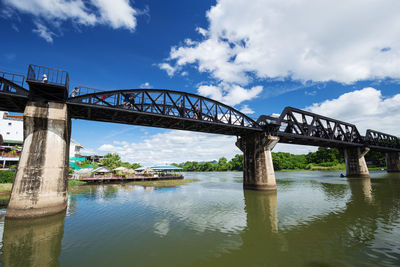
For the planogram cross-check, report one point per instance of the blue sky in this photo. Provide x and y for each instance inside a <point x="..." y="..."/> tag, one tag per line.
<point x="339" y="59"/>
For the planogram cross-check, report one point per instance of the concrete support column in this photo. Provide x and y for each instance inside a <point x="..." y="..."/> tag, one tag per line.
<point x="355" y="162"/>
<point x="393" y="162"/>
<point x="258" y="169"/>
<point x="41" y="182"/>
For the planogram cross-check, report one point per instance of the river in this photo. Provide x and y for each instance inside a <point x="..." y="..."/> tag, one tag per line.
<point x="315" y="219"/>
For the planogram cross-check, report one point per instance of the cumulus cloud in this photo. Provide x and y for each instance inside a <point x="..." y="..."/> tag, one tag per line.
<point x="230" y="94"/>
<point x="174" y="146"/>
<point x="168" y="68"/>
<point x="343" y="41"/>
<point x="366" y="108"/>
<point x="246" y="110"/>
<point x="116" y="13"/>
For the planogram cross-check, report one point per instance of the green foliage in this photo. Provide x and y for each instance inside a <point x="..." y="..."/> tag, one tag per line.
<point x="322" y="159"/>
<point x="6" y="177"/>
<point x="75" y="182"/>
<point x="235" y="164"/>
<point x="111" y="161"/>
<point x="70" y="170"/>
<point x="287" y="161"/>
<point x="135" y="165"/>
<point x="378" y="159"/>
<point x="88" y="164"/>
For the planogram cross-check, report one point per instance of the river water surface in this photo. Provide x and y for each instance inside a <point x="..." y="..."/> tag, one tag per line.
<point x="315" y="219"/>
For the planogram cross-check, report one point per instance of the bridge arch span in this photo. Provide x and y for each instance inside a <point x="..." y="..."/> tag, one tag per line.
<point x="160" y="108"/>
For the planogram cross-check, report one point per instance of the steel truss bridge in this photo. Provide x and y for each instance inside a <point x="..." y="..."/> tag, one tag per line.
<point x="184" y="111"/>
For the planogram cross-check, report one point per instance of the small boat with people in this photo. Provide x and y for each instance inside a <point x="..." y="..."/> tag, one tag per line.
<point x="102" y="174"/>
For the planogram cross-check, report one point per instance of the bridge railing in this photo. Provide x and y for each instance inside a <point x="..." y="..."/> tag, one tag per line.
<point x="18" y="79"/>
<point x="380" y="139"/>
<point x="83" y="90"/>
<point x="304" y="124"/>
<point x="48" y="75"/>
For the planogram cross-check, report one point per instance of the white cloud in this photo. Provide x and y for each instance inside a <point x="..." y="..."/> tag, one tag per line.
<point x="246" y="110"/>
<point x="168" y="68"/>
<point x="365" y="108"/>
<point x="145" y="85"/>
<point x="344" y="41"/>
<point x="44" y="32"/>
<point x="229" y="94"/>
<point x="174" y="146"/>
<point x="116" y="13"/>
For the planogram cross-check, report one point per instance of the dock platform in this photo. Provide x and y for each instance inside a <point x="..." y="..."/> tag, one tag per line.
<point x="122" y="178"/>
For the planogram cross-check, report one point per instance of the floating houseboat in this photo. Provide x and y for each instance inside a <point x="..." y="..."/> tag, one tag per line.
<point x="102" y="174"/>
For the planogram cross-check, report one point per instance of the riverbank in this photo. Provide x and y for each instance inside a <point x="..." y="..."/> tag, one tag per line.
<point x="6" y="187"/>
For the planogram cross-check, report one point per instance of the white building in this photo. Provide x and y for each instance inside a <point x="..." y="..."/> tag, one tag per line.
<point x="74" y="149"/>
<point x="12" y="134"/>
<point x="11" y="128"/>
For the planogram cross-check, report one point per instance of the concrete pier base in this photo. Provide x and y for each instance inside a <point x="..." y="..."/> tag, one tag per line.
<point x="41" y="182"/>
<point x="393" y="162"/>
<point x="258" y="169"/>
<point x="355" y="162"/>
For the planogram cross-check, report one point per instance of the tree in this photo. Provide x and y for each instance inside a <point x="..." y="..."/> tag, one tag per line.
<point x="111" y="161"/>
<point x="135" y="165"/>
<point x="236" y="163"/>
<point x="222" y="164"/>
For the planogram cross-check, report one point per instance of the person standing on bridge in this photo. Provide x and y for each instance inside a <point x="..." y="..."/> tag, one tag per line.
<point x="181" y="109"/>
<point x="196" y="112"/>
<point x="44" y="78"/>
<point x="75" y="92"/>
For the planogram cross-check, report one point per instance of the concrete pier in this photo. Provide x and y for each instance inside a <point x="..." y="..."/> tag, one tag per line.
<point x="355" y="162"/>
<point x="41" y="182"/>
<point x="258" y="169"/>
<point x="393" y="162"/>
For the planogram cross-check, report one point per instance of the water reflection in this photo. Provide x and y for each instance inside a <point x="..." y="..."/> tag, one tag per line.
<point x="334" y="239"/>
<point x="34" y="242"/>
<point x="313" y="220"/>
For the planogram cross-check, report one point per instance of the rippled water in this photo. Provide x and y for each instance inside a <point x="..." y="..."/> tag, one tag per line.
<point x="315" y="219"/>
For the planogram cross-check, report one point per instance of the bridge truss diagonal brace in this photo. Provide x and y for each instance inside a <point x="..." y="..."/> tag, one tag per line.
<point x="356" y="165"/>
<point x="393" y="161"/>
<point x="258" y="168"/>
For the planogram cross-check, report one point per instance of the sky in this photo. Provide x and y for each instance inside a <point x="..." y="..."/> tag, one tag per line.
<point x="338" y="58"/>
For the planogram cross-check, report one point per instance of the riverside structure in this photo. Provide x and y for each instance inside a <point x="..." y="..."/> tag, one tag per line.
<point x="40" y="186"/>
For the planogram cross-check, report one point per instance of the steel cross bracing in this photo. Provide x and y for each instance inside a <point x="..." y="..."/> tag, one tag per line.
<point x="185" y="111"/>
<point x="160" y="108"/>
<point x="377" y="140"/>
<point x="13" y="96"/>
<point x="302" y="127"/>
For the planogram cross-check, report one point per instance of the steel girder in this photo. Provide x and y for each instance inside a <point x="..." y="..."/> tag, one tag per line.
<point x="163" y="108"/>
<point x="13" y="97"/>
<point x="185" y="111"/>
